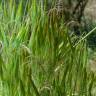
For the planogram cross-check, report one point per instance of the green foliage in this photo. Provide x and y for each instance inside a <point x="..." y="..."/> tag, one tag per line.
<point x="39" y="58"/>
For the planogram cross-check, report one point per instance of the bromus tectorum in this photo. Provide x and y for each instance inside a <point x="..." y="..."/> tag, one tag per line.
<point x="40" y="57"/>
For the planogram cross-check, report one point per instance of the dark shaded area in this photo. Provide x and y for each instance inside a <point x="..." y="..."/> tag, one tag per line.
<point x="91" y="39"/>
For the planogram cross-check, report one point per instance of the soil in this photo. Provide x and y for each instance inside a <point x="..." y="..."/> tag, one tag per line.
<point x="90" y="10"/>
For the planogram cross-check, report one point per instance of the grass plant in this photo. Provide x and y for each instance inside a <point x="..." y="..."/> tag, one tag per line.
<point x="39" y="58"/>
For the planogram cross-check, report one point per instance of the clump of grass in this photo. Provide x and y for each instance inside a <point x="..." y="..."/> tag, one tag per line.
<point x="39" y="58"/>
